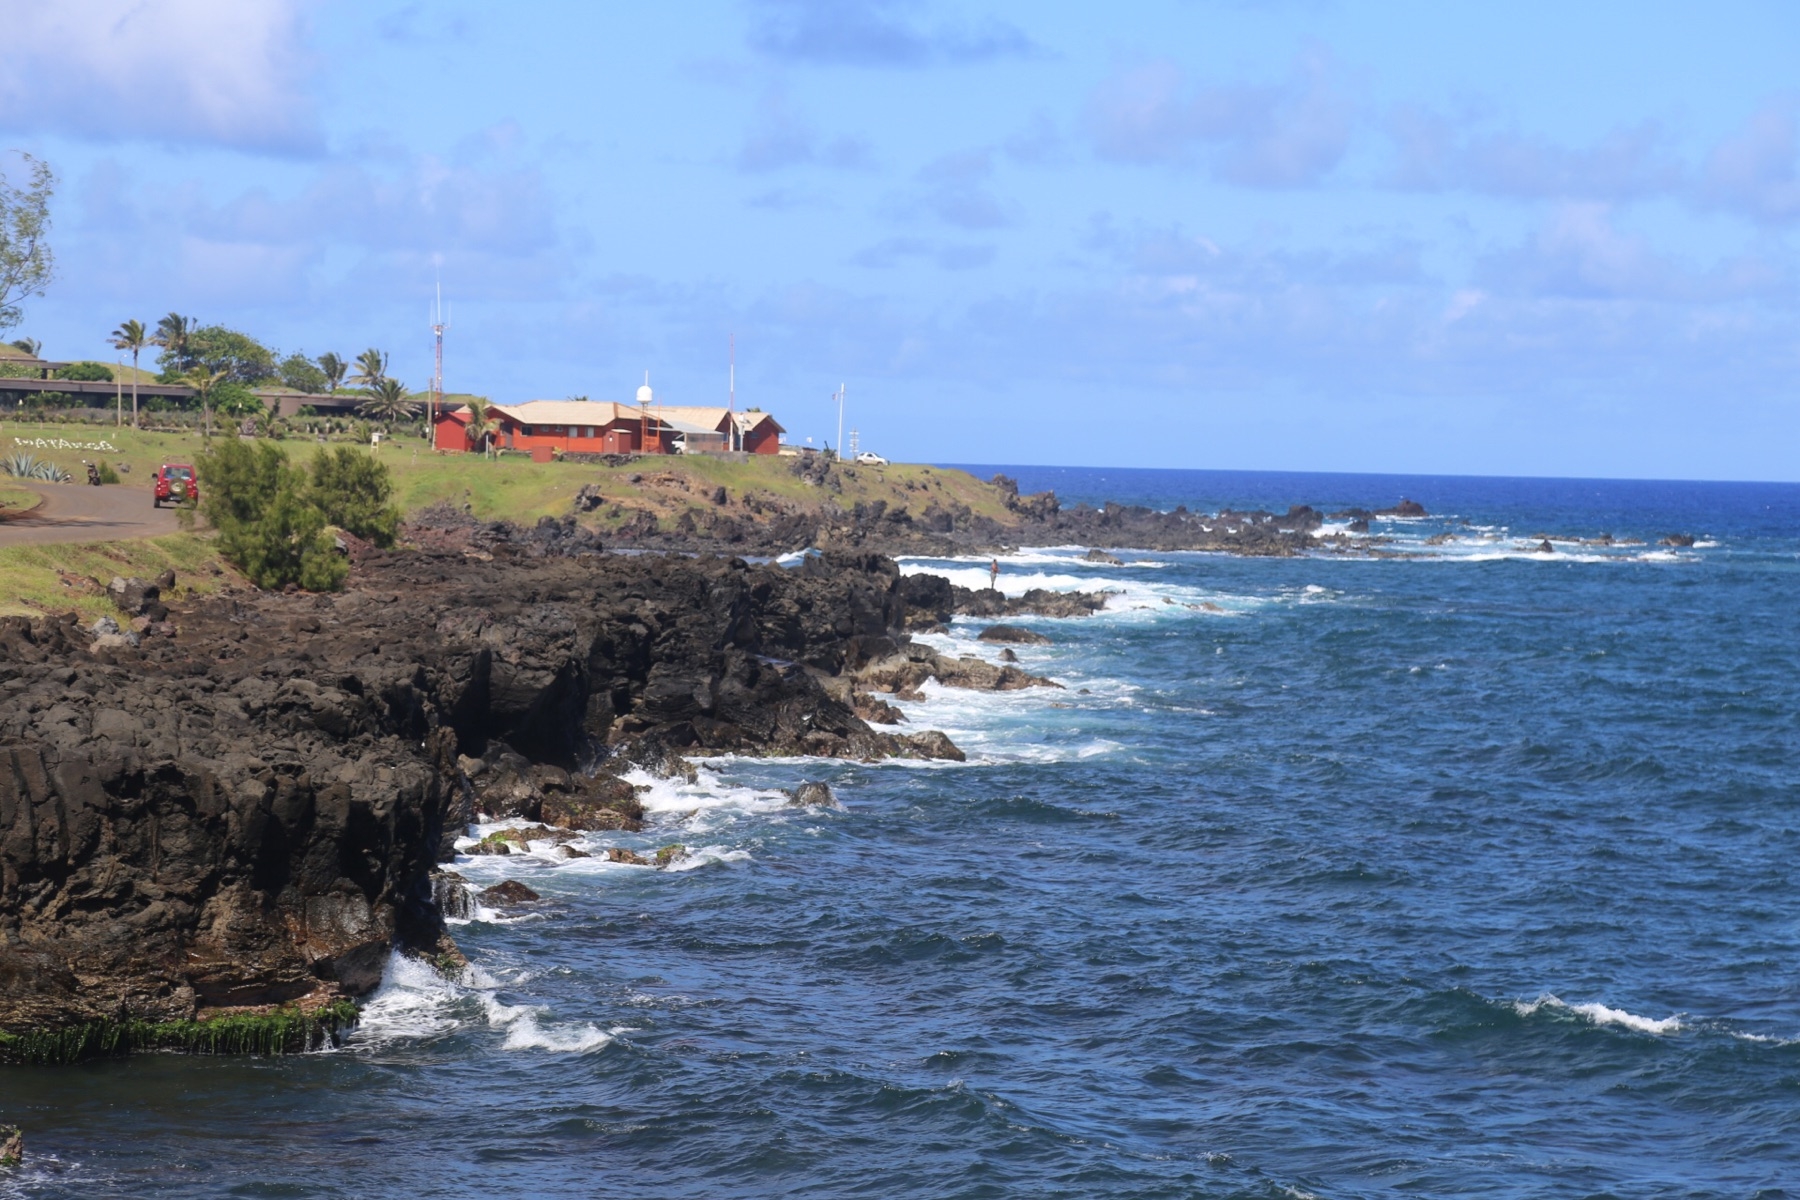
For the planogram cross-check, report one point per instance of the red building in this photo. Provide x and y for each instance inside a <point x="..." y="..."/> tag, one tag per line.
<point x="541" y="427"/>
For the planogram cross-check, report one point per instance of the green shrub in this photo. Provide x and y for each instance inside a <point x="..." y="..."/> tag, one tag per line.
<point x="86" y="372"/>
<point x="352" y="488"/>
<point x="232" y="399"/>
<point x="107" y="474"/>
<point x="268" y="527"/>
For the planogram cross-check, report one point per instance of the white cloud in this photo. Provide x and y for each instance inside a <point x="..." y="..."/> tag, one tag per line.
<point x="954" y="189"/>
<point x="221" y="72"/>
<point x="1288" y="134"/>
<point x="1440" y="153"/>
<point x="1757" y="171"/>
<point x="1579" y="252"/>
<point x="782" y="137"/>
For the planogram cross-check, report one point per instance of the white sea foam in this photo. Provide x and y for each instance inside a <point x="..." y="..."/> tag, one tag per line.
<point x="1600" y="1014"/>
<point x="708" y="794"/>
<point x="1017" y="726"/>
<point x="416" y="1001"/>
<point x="524" y="1030"/>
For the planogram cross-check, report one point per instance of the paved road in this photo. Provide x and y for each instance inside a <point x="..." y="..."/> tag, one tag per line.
<point x="78" y="512"/>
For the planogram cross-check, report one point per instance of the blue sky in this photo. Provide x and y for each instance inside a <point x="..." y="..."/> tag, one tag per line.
<point x="1534" y="238"/>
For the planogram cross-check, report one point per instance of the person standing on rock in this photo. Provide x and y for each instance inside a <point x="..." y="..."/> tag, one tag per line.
<point x="993" y="574"/>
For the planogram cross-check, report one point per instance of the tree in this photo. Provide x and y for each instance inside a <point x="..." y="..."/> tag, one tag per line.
<point x="238" y="356"/>
<point x="301" y="373"/>
<point x="353" y="489"/>
<point x="268" y="528"/>
<point x="86" y="372"/>
<point x="232" y="399"/>
<point x="388" y="402"/>
<point x="203" y="382"/>
<point x="26" y="264"/>
<point x="371" y="368"/>
<point x="334" y="369"/>
<point x="30" y="346"/>
<point x="133" y="337"/>
<point x="172" y="333"/>
<point x="484" y="423"/>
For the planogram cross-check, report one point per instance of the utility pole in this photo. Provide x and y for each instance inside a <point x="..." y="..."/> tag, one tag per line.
<point x="840" y="438"/>
<point x="731" y="399"/>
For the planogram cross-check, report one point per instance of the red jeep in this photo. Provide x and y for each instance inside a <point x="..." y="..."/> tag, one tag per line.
<point x="176" y="482"/>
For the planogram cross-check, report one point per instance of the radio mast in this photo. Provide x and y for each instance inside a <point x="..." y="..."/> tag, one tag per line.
<point x="438" y="325"/>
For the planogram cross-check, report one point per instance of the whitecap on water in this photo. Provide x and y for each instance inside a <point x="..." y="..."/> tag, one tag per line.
<point x="1600" y="1014"/>
<point x="415" y="1001"/>
<point x="524" y="1030"/>
<point x="1016" y="726"/>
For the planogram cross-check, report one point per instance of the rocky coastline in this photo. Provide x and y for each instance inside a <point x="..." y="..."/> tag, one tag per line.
<point x="220" y="815"/>
<point x="760" y="523"/>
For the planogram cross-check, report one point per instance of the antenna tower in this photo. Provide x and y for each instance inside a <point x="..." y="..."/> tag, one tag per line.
<point x="438" y="325"/>
<point x="840" y="438"/>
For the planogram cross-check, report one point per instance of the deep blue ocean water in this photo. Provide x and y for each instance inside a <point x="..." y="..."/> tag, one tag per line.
<point x="1470" y="872"/>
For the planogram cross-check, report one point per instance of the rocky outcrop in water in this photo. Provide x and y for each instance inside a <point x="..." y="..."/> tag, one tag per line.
<point x="1013" y="634"/>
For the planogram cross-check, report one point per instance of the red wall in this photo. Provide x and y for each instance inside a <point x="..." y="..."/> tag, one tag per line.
<point x="451" y="433"/>
<point x="617" y="438"/>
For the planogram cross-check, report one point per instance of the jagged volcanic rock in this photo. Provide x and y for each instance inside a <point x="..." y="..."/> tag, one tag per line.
<point x="249" y="812"/>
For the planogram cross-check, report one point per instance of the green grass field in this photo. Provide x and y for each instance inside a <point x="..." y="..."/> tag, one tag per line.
<point x="514" y="488"/>
<point x="36" y="579"/>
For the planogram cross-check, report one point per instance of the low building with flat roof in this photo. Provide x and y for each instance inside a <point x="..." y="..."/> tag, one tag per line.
<point x="545" y="427"/>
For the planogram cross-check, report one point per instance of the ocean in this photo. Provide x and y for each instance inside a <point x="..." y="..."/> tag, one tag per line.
<point x="1467" y="871"/>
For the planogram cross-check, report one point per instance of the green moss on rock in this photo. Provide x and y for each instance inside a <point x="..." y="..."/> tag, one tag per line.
<point x="288" y="1030"/>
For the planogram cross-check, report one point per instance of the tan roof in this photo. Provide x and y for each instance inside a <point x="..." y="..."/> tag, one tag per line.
<point x="711" y="417"/>
<point x="568" y="412"/>
<point x="602" y="412"/>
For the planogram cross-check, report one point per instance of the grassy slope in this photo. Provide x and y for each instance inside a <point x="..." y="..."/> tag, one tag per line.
<point x="15" y="499"/>
<point x="517" y="489"/>
<point x="57" y="578"/>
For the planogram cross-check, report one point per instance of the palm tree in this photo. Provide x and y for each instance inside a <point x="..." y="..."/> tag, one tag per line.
<point x="371" y="368"/>
<point x="203" y="381"/>
<point x="388" y="402"/>
<point x="335" y="368"/>
<point x="484" y="423"/>
<point x="132" y="336"/>
<point x="172" y="334"/>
